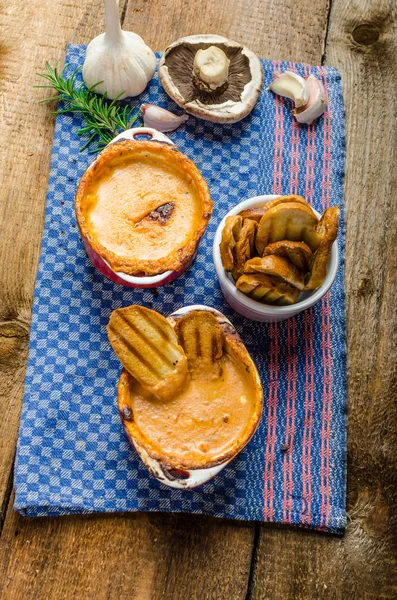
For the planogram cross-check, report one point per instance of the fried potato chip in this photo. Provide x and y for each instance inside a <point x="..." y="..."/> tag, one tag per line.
<point x="276" y="266"/>
<point x="327" y="229"/>
<point x="244" y="248"/>
<point x="292" y="221"/>
<point x="298" y="253"/>
<point x="257" y="213"/>
<point x="265" y="289"/>
<point x="202" y="338"/>
<point x="147" y="346"/>
<point x="230" y="235"/>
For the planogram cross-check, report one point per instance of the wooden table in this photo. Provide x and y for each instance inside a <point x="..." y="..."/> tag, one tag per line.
<point x="180" y="556"/>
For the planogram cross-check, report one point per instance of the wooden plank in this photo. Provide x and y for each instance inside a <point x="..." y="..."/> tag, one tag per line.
<point x="283" y="29"/>
<point x="146" y="556"/>
<point x="140" y="556"/>
<point x="362" y="44"/>
<point x="25" y="148"/>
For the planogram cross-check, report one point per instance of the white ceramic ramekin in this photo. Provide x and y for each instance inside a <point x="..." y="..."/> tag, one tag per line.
<point x="101" y="264"/>
<point x="189" y="478"/>
<point x="252" y="309"/>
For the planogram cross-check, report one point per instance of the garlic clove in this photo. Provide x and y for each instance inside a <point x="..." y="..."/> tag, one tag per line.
<point x="210" y="68"/>
<point x="315" y="105"/>
<point x="292" y="86"/>
<point x="160" y="119"/>
<point x="119" y="59"/>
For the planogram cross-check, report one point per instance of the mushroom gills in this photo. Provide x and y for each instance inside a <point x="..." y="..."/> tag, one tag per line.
<point x="180" y="63"/>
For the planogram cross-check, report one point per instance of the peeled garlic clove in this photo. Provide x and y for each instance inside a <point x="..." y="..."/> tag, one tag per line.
<point x="316" y="104"/>
<point x="292" y="86"/>
<point x="160" y="119"/>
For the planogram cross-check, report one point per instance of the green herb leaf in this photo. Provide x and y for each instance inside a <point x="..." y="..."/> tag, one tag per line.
<point x="103" y="120"/>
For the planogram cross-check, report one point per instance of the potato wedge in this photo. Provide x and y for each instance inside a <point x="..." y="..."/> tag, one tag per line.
<point x="327" y="229"/>
<point x="287" y="221"/>
<point x="147" y="346"/>
<point x="201" y="338"/>
<point x="276" y="266"/>
<point x="298" y="253"/>
<point x="230" y="235"/>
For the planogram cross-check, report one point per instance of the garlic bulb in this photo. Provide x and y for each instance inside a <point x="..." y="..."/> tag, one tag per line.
<point x="316" y="103"/>
<point x="119" y="59"/>
<point x="290" y="85"/>
<point x="160" y="119"/>
<point x="210" y="69"/>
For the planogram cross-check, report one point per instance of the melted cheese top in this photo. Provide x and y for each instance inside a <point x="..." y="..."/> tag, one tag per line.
<point x="204" y="419"/>
<point x="120" y="201"/>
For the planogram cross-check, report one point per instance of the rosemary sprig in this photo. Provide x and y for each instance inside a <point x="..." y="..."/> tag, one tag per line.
<point x="103" y="120"/>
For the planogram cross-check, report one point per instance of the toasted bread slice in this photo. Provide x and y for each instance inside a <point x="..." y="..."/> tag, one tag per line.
<point x="287" y="221"/>
<point x="245" y="247"/>
<point x="230" y="235"/>
<point x="267" y="290"/>
<point x="202" y="338"/>
<point x="298" y="253"/>
<point x="282" y="295"/>
<point x="255" y="285"/>
<point x="327" y="229"/>
<point x="276" y="266"/>
<point x="257" y="213"/>
<point x="147" y="346"/>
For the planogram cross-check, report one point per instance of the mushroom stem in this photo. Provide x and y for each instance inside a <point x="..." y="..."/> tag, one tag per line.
<point x="211" y="70"/>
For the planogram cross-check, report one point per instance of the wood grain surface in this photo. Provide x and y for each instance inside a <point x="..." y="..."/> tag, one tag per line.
<point x="181" y="556"/>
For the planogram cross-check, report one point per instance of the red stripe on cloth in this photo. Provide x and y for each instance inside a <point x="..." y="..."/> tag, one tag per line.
<point x="274" y="420"/>
<point x="326" y="326"/>
<point x="287" y="490"/>
<point x="273" y="330"/>
<point x="308" y="421"/>
<point x="269" y="420"/>
<point x="291" y="327"/>
<point x="294" y="363"/>
<point x="311" y="412"/>
<point x="309" y="354"/>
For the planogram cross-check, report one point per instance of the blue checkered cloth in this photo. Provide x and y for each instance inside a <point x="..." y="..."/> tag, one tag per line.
<point x="73" y="456"/>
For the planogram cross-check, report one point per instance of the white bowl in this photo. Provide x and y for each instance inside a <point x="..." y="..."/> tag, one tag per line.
<point x="256" y="310"/>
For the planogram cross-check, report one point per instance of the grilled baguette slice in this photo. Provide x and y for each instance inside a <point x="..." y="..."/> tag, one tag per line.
<point x="230" y="235"/>
<point x="202" y="339"/>
<point x="327" y="229"/>
<point x="257" y="213"/>
<point x="267" y="290"/>
<point x="147" y="346"/>
<point x="244" y="248"/>
<point x="298" y="253"/>
<point x="276" y="266"/>
<point x="287" y="221"/>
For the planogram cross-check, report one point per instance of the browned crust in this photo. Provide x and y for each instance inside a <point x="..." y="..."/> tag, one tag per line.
<point x="236" y="347"/>
<point x="180" y="257"/>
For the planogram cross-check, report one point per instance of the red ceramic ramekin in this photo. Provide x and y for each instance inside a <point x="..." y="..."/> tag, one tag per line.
<point x="102" y="265"/>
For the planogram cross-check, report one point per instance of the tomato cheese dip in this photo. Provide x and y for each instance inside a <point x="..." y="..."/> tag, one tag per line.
<point x="205" y="419"/>
<point x="143" y="208"/>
